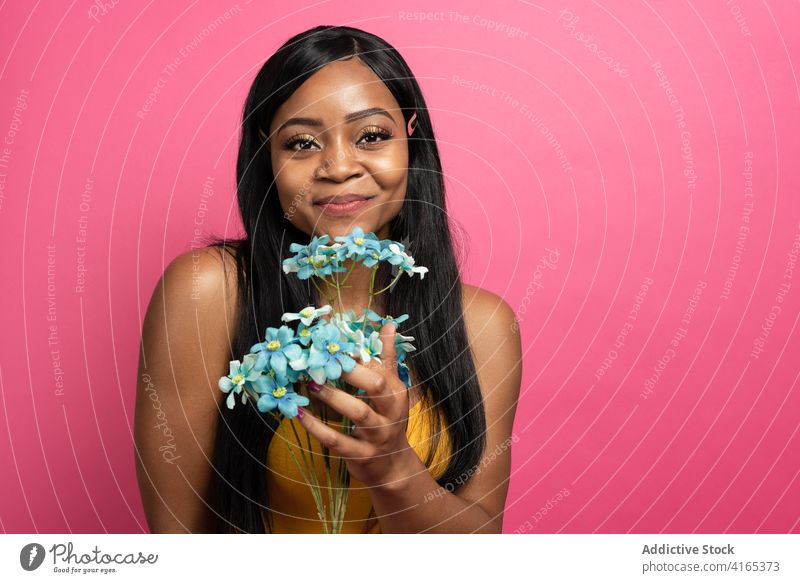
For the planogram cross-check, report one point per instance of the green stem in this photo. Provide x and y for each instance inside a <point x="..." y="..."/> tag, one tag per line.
<point x="369" y="301"/>
<point x="323" y="415"/>
<point x="335" y="500"/>
<point x="321" y="293"/>
<point x="311" y="475"/>
<point x="305" y="460"/>
<point x="326" y="456"/>
<point x="352" y="267"/>
<point x="325" y="281"/>
<point x="339" y="293"/>
<point x="399" y="273"/>
<point x="327" y="473"/>
<point x="329" y="479"/>
<point x="343" y="474"/>
<point x="341" y="506"/>
<point x="341" y="491"/>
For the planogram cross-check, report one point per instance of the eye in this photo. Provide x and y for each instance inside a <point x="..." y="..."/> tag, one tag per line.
<point x="371" y="133"/>
<point x="302" y="139"/>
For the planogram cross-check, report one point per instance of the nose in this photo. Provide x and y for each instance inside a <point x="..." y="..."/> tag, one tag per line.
<point x="341" y="163"/>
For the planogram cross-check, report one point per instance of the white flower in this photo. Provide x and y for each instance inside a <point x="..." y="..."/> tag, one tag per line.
<point x="405" y="261"/>
<point x="404" y="342"/>
<point x="367" y="348"/>
<point x="307" y="315"/>
<point x="342" y="322"/>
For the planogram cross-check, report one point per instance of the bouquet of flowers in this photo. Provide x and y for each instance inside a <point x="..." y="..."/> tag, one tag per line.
<point x="324" y="344"/>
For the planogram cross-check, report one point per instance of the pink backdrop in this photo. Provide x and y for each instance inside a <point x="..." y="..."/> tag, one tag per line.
<point x="627" y="175"/>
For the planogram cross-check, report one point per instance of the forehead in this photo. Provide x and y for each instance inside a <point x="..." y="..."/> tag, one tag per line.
<point x="335" y="90"/>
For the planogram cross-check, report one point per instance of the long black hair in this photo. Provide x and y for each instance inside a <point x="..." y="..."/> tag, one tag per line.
<point x="443" y="361"/>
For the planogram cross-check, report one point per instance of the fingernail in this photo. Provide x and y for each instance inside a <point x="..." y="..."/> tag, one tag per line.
<point x="300" y="412"/>
<point x="312" y="386"/>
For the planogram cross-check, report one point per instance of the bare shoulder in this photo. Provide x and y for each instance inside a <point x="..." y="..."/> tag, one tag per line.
<point x="494" y="337"/>
<point x="184" y="351"/>
<point x="493" y="334"/>
<point x="207" y="275"/>
<point x="486" y="312"/>
<point x="204" y="282"/>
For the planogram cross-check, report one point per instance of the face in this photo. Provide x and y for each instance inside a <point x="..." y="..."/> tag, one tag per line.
<point x="340" y="133"/>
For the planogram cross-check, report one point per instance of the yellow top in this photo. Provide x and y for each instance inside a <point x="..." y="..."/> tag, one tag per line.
<point x="290" y="498"/>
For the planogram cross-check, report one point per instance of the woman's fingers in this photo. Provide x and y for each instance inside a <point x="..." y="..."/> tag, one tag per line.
<point x="340" y="444"/>
<point x="372" y="381"/>
<point x="378" y="380"/>
<point x="355" y="409"/>
<point x="389" y="352"/>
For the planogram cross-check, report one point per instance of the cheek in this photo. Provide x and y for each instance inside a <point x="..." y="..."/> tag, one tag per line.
<point x="293" y="179"/>
<point x="391" y="169"/>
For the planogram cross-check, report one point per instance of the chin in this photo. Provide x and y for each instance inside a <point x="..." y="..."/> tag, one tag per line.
<point x="341" y="226"/>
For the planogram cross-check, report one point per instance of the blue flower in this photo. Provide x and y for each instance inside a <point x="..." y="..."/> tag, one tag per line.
<point x="402" y="372"/>
<point x="337" y="252"/>
<point x="402" y="368"/>
<point x="313" y="259"/>
<point x="386" y="319"/>
<point x="240" y="373"/>
<point x="326" y="262"/>
<point x="402" y="347"/>
<point x="301" y="263"/>
<point x="278" y="350"/>
<point x="359" y="244"/>
<point x="328" y="354"/>
<point x="375" y="256"/>
<point x="304" y="334"/>
<point x="276" y="391"/>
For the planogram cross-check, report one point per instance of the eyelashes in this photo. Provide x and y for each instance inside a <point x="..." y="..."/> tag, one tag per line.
<point x="306" y="139"/>
<point x="376" y="131"/>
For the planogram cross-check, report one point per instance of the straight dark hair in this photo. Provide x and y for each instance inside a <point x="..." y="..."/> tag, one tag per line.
<point x="442" y="364"/>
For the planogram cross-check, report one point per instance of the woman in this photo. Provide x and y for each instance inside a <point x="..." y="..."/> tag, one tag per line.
<point x="335" y="114"/>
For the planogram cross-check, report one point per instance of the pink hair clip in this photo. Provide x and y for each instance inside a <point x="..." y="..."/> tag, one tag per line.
<point x="409" y="129"/>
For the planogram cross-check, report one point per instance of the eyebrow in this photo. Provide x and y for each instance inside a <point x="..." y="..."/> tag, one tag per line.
<point x="350" y="117"/>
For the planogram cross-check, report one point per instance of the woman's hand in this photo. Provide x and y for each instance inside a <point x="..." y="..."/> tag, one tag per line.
<point x="377" y="452"/>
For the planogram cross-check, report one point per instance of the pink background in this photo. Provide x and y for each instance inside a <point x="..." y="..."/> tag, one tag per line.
<point x="709" y="445"/>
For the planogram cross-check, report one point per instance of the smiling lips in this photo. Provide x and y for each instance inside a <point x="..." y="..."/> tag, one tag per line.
<point x="342" y="205"/>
